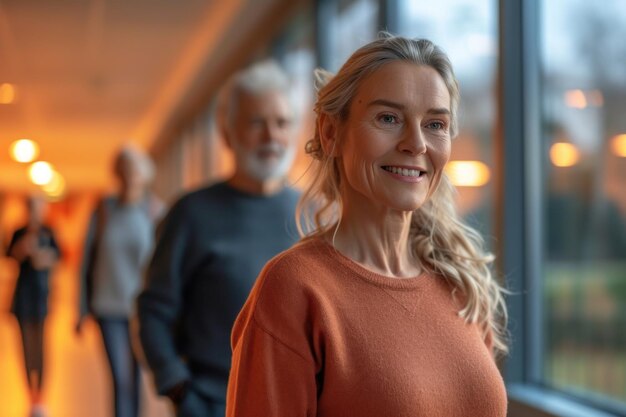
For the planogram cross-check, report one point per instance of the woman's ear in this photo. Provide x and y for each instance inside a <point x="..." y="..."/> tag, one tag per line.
<point x="328" y="127"/>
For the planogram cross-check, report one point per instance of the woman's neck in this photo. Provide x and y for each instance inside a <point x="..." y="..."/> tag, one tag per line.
<point x="377" y="238"/>
<point x="130" y="196"/>
<point x="34" y="225"/>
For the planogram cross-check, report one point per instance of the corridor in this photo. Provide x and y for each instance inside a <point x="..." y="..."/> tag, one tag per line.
<point x="77" y="383"/>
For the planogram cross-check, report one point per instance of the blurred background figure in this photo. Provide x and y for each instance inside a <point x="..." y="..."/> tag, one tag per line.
<point x="214" y="242"/>
<point x="118" y="243"/>
<point x="35" y="249"/>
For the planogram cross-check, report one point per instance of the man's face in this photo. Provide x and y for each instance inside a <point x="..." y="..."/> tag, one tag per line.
<point x="262" y="136"/>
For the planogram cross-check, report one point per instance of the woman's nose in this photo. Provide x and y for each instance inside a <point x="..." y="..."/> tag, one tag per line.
<point x="413" y="142"/>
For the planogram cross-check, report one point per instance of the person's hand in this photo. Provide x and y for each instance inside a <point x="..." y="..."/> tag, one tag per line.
<point x="24" y="247"/>
<point x="43" y="258"/>
<point x="178" y="392"/>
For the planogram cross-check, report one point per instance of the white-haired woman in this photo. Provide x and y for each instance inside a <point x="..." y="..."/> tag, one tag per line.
<point x="387" y="306"/>
<point x="117" y="247"/>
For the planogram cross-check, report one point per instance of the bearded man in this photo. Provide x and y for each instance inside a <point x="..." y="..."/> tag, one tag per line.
<point x="214" y="242"/>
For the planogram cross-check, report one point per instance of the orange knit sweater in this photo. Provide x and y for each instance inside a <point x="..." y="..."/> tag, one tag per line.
<point x="320" y="335"/>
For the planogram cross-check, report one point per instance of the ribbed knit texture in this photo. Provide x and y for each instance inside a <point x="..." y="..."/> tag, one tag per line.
<point x="320" y="335"/>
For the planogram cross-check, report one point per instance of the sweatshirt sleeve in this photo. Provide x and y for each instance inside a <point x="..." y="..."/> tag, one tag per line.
<point x="159" y="304"/>
<point x="273" y="371"/>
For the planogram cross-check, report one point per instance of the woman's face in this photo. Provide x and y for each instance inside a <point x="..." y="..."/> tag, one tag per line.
<point x="396" y="140"/>
<point x="130" y="174"/>
<point x="37" y="207"/>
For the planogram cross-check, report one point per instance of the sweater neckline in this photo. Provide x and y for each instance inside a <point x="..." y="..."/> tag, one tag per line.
<point x="252" y="196"/>
<point x="372" y="277"/>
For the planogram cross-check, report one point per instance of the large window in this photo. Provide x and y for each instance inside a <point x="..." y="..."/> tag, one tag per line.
<point x="294" y="48"/>
<point x="467" y="32"/>
<point x="354" y="23"/>
<point x="584" y="204"/>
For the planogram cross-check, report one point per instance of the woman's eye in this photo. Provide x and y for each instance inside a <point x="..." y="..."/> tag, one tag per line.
<point x="388" y="118"/>
<point x="436" y="125"/>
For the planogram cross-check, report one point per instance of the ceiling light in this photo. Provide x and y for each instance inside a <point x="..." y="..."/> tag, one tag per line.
<point x="40" y="173"/>
<point x="24" y="150"/>
<point x="468" y="173"/>
<point x="56" y="186"/>
<point x="7" y="93"/>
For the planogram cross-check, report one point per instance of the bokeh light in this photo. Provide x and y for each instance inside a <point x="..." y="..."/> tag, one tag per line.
<point x="563" y="154"/>
<point x="24" y="150"/>
<point x="41" y="173"/>
<point x="468" y="173"/>
<point x="618" y="145"/>
<point x="7" y="93"/>
<point x="55" y="188"/>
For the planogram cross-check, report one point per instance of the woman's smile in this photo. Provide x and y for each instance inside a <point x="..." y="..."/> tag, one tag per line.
<point x="405" y="173"/>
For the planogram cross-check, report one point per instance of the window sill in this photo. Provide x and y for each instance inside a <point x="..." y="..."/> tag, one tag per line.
<point x="527" y="401"/>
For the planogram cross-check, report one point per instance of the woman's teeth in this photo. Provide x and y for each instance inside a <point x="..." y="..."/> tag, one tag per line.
<point x="403" y="171"/>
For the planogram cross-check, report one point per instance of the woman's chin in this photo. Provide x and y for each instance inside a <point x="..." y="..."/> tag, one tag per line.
<point x="408" y="205"/>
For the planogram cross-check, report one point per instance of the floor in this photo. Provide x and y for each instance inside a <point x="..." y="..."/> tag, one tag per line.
<point x="77" y="382"/>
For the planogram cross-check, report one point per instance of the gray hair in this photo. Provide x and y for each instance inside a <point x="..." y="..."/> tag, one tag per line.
<point x="261" y="77"/>
<point x="135" y="155"/>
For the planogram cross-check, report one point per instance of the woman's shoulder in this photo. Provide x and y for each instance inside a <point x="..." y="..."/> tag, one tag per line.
<point x="303" y="259"/>
<point x="292" y="274"/>
<point x="280" y="303"/>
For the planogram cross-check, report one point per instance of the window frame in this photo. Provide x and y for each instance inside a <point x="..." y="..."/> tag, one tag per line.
<point x="520" y="192"/>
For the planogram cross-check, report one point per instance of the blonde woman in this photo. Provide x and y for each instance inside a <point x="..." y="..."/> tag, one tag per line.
<point x="386" y="307"/>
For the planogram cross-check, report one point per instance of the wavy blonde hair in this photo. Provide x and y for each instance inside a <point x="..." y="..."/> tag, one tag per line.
<point x="439" y="238"/>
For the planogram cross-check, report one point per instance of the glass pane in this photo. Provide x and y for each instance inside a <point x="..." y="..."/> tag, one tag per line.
<point x="298" y="59"/>
<point x="354" y="25"/>
<point x="467" y="32"/>
<point x="584" y="102"/>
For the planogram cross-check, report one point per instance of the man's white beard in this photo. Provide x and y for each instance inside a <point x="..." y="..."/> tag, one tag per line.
<point x="263" y="169"/>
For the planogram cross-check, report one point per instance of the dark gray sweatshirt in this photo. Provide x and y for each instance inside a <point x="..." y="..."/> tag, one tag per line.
<point x="210" y="248"/>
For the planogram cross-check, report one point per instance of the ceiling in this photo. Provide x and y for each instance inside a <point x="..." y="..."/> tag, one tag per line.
<point x="93" y="74"/>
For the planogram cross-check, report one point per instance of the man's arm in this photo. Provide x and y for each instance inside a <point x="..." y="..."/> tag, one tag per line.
<point x="159" y="304"/>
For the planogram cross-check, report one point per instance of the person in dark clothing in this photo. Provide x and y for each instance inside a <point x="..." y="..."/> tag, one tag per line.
<point x="35" y="249"/>
<point x="214" y="242"/>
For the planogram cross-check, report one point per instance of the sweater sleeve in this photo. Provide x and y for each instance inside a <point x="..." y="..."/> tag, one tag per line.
<point x="273" y="371"/>
<point x="159" y="304"/>
<point x="268" y="378"/>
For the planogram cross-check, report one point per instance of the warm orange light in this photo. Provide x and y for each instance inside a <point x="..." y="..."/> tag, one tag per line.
<point x="618" y="145"/>
<point x="7" y="93"/>
<point x="55" y="187"/>
<point x="564" y="154"/>
<point x="468" y="173"/>
<point x="575" y="99"/>
<point x="24" y="150"/>
<point x="41" y="173"/>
